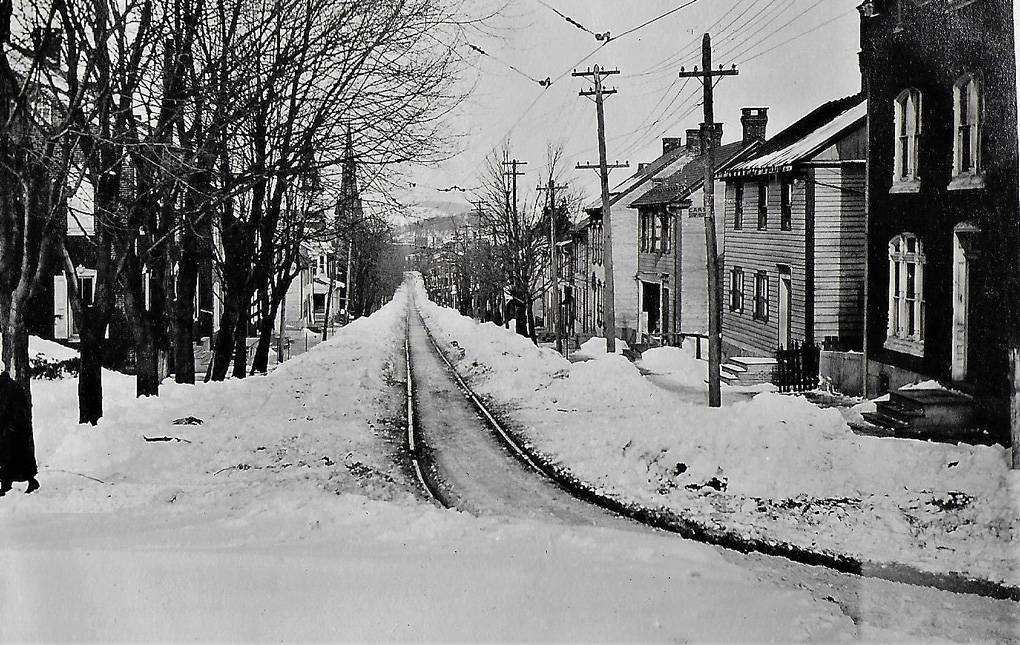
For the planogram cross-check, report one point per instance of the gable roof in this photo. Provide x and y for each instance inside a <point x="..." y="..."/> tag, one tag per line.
<point x="690" y="177"/>
<point x="663" y="164"/>
<point x="818" y="130"/>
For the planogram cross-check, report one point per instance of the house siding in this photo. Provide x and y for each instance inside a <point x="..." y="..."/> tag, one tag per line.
<point x="839" y="240"/>
<point x="756" y="250"/>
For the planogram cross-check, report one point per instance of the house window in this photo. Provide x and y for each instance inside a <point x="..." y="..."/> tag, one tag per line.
<point x="319" y="303"/>
<point x="906" y="294"/>
<point x="738" y="205"/>
<point x="737" y="289"/>
<point x="664" y="231"/>
<point x="646" y="232"/>
<point x="967" y="108"/>
<point x="87" y="289"/>
<point x="763" y="205"/>
<point x="908" y="132"/>
<point x="761" y="296"/>
<point x="786" y="204"/>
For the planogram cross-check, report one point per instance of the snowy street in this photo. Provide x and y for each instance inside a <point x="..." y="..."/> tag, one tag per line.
<point x="291" y="513"/>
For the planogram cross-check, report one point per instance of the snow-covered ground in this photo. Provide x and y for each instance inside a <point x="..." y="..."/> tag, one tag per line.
<point x="287" y="514"/>
<point x="767" y="466"/>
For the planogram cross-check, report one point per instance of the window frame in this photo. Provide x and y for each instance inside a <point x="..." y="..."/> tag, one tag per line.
<point x="906" y="311"/>
<point x="786" y="204"/>
<point x="763" y="205"/>
<point x="738" y="205"/>
<point x="761" y="296"/>
<point x="908" y="111"/>
<point x="737" y="289"/>
<point x="967" y="106"/>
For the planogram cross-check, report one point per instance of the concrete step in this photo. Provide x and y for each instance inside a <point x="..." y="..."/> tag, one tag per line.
<point x="883" y="421"/>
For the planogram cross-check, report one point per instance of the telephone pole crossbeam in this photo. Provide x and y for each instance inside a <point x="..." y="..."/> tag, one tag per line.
<point x="706" y="74"/>
<point x="597" y="75"/>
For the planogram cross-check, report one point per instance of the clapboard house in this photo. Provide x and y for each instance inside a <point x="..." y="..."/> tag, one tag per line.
<point x="674" y="156"/>
<point x="794" y="240"/>
<point x="943" y="219"/>
<point x="672" y="273"/>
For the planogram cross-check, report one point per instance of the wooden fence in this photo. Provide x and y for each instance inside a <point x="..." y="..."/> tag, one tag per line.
<point x="797" y="368"/>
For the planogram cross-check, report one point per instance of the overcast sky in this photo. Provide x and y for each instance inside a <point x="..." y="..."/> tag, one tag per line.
<point x="792" y="55"/>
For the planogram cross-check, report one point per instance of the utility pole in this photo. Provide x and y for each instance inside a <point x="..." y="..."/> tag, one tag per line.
<point x="706" y="74"/>
<point x="599" y="92"/>
<point x="518" y="247"/>
<point x="554" y="301"/>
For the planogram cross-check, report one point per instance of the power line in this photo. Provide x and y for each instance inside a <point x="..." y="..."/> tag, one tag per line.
<point x="740" y="46"/>
<point x="804" y="33"/>
<point x="603" y="36"/>
<point x="545" y="83"/>
<point x="655" y="19"/>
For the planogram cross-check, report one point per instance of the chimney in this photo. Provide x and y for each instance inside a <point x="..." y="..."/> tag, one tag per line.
<point x="694" y="139"/>
<point x="693" y="142"/>
<point x="754" y="120"/>
<point x="669" y="144"/>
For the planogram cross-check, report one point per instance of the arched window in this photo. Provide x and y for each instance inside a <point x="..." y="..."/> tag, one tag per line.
<point x="967" y="117"/>
<point x="908" y="133"/>
<point x="906" y="295"/>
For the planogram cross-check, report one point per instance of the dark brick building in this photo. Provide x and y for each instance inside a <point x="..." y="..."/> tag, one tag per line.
<point x="943" y="226"/>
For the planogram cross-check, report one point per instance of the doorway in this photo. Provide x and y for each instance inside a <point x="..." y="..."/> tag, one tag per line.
<point x="651" y="307"/>
<point x="963" y="242"/>
<point x="785" y="293"/>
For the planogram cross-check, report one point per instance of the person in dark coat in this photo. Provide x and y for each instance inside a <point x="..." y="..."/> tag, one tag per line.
<point x="17" y="446"/>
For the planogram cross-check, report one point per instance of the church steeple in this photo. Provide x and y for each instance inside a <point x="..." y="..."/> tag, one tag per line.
<point x="350" y="197"/>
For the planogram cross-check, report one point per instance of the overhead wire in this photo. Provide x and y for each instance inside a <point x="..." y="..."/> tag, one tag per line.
<point x="740" y="46"/>
<point x="800" y="35"/>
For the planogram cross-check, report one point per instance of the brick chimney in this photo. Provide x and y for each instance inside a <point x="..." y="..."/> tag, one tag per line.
<point x="694" y="139"/>
<point x="754" y="120"/>
<point x="669" y="144"/>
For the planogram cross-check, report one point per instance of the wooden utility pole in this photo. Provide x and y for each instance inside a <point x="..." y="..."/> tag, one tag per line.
<point x="518" y="245"/>
<point x="554" y="301"/>
<point x="597" y="74"/>
<point x="1014" y="344"/>
<point x="706" y="75"/>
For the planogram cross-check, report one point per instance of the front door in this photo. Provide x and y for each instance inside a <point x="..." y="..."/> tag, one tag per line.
<point x="785" y="288"/>
<point x="651" y="306"/>
<point x="961" y="303"/>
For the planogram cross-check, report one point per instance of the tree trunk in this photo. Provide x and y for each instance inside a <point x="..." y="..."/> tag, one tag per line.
<point x="267" y="325"/>
<point x="241" y="343"/>
<point x="531" y="323"/>
<point x="1014" y="404"/>
<point x="90" y="372"/>
<point x="183" y="321"/>
<point x="146" y="358"/>
<point x="15" y="352"/>
<point x="223" y="348"/>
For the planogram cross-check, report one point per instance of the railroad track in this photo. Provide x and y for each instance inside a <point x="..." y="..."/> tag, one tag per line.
<point x="668" y="521"/>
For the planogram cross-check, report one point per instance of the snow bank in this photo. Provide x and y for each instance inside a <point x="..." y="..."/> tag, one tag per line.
<point x="775" y="467"/>
<point x="287" y="514"/>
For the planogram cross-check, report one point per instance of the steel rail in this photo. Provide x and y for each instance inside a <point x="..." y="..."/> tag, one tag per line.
<point x="413" y="446"/>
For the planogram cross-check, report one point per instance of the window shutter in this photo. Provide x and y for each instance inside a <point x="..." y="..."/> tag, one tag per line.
<point x="60" y="318"/>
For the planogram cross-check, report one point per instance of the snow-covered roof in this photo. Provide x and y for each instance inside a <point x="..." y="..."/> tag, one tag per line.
<point x="819" y="138"/>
